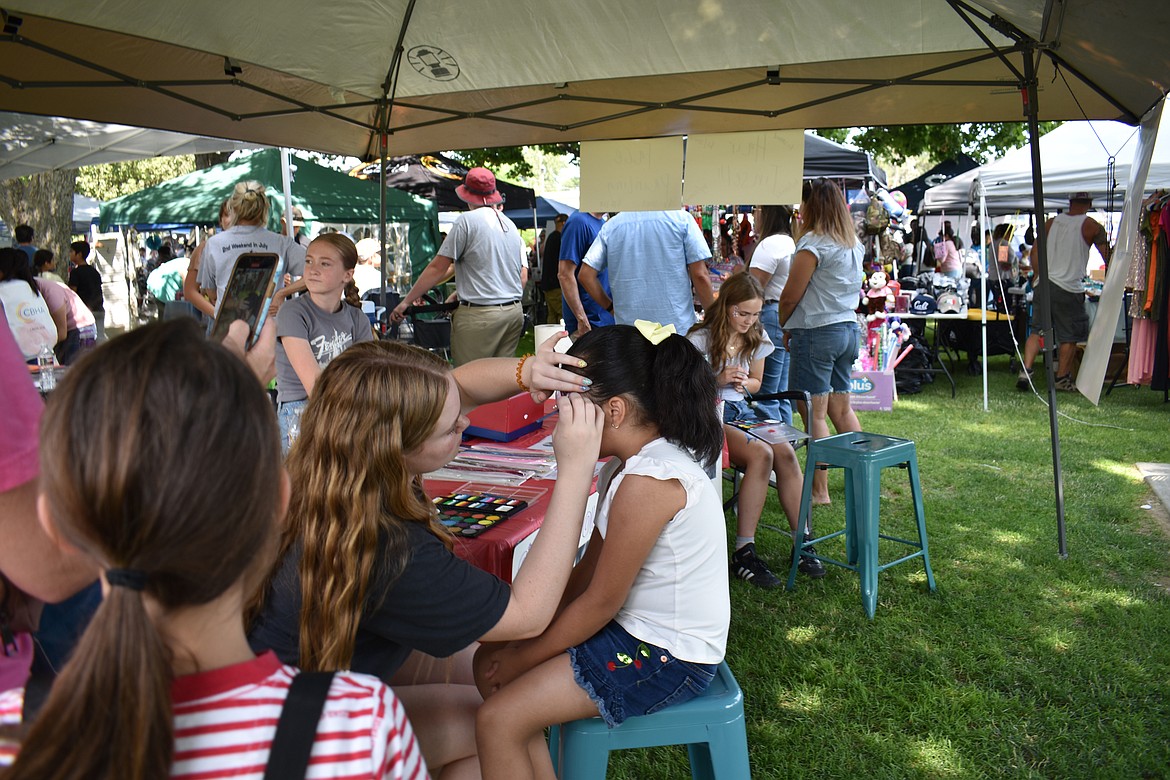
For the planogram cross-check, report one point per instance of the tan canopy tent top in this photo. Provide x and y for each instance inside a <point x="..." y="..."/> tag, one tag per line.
<point x="442" y="75"/>
<point x="371" y="78"/>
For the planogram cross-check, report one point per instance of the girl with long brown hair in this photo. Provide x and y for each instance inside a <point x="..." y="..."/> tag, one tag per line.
<point x="736" y="345"/>
<point x="818" y="312"/>
<point x="163" y="682"/>
<point x="367" y="578"/>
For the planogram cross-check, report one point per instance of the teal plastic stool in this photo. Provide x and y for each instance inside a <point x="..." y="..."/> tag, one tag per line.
<point x="710" y="725"/>
<point x="863" y="456"/>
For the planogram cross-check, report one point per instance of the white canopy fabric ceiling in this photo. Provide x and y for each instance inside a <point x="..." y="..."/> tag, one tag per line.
<point x="1074" y="157"/>
<point x="35" y="144"/>
<point x="511" y="72"/>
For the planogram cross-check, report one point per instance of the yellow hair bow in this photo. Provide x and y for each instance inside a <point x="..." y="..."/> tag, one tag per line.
<point x="654" y="332"/>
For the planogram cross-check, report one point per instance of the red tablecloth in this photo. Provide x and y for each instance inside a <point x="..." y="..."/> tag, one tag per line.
<point x="492" y="550"/>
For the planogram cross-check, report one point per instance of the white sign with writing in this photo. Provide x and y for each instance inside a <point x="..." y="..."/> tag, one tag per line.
<point x="637" y="175"/>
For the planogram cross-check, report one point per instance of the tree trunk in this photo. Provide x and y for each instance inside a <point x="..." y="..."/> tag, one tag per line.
<point x="211" y="158"/>
<point x="43" y="201"/>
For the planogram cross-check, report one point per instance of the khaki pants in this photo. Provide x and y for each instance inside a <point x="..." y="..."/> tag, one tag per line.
<point x="485" y="331"/>
<point x="552" y="299"/>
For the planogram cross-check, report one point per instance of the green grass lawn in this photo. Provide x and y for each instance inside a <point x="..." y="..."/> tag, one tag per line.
<point x="1021" y="664"/>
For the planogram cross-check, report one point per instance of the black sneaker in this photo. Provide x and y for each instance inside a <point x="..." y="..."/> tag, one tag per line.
<point x="746" y="565"/>
<point x="1024" y="380"/>
<point x="808" y="566"/>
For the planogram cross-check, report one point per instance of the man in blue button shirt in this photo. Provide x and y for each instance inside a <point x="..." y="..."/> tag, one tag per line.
<point x="654" y="259"/>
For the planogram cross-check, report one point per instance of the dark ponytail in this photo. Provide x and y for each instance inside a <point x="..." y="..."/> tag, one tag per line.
<point x="685" y="392"/>
<point x="109" y="429"/>
<point x="671" y="383"/>
<point x="122" y="669"/>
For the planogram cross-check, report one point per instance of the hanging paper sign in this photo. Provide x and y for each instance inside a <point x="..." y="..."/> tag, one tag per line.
<point x="765" y="167"/>
<point x="635" y="175"/>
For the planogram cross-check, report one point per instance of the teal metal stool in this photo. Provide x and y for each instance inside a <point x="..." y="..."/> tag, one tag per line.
<point x="863" y="456"/>
<point x="711" y="725"/>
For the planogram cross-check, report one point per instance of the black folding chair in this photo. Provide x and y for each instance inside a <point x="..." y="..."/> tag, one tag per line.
<point x="384" y="326"/>
<point x="433" y="333"/>
<point x="733" y="473"/>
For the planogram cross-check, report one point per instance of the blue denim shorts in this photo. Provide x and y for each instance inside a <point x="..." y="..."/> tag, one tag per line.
<point x="288" y="415"/>
<point x="822" y="358"/>
<point x="739" y="410"/>
<point x="625" y="676"/>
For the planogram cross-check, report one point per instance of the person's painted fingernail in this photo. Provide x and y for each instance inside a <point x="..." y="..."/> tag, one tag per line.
<point x="584" y="388"/>
<point x="581" y="364"/>
<point x="587" y="381"/>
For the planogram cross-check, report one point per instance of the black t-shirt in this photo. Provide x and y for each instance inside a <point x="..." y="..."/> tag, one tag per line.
<point x="549" y="262"/>
<point x="439" y="605"/>
<point x="88" y="283"/>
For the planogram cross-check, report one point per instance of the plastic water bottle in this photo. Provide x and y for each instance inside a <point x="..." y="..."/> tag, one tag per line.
<point x="45" y="362"/>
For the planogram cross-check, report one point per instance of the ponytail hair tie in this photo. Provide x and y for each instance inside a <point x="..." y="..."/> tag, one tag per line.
<point x="654" y="332"/>
<point x="134" y="579"/>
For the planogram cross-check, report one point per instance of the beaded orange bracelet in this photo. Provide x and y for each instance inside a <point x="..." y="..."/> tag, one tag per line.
<point x="520" y="372"/>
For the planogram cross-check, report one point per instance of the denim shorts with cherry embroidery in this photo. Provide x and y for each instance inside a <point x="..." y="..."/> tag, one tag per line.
<point x="625" y="676"/>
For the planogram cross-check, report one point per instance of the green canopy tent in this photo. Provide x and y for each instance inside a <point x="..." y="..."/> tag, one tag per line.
<point x="323" y="194"/>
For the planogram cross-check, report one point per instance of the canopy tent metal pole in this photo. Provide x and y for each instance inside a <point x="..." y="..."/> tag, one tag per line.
<point x="382" y="125"/>
<point x="1043" y="290"/>
<point x="286" y="184"/>
<point x="984" y="220"/>
<point x="382" y="224"/>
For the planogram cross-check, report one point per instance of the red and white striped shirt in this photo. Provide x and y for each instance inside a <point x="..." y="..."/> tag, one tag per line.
<point x="225" y="720"/>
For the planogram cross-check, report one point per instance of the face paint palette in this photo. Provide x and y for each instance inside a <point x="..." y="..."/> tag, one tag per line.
<point x="469" y="514"/>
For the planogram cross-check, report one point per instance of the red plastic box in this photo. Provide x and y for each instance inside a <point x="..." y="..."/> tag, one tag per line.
<point x="506" y="420"/>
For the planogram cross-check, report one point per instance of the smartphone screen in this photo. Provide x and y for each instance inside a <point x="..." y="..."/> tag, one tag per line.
<point x="249" y="294"/>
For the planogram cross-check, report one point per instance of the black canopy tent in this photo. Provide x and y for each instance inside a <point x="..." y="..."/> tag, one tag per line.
<point x="832" y="160"/>
<point x="915" y="189"/>
<point x="435" y="177"/>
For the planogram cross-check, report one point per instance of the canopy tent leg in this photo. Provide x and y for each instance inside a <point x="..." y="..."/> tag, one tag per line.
<point x="1043" y="290"/>
<point x="984" y="220"/>
<point x="286" y="185"/>
<point x="383" y="224"/>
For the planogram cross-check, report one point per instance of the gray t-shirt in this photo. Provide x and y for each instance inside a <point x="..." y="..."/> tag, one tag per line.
<point x="328" y="334"/>
<point x="834" y="291"/>
<point x="488" y="254"/>
<point x="221" y="251"/>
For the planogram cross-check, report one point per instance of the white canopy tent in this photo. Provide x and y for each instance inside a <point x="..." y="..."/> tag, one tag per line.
<point x="399" y="76"/>
<point x="1093" y="157"/>
<point x="34" y="144"/>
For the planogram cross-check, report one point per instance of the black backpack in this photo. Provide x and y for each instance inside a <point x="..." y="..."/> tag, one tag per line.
<point x="909" y="375"/>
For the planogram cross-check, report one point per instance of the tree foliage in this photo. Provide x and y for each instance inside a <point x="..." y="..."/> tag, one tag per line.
<point x="982" y="141"/>
<point x="513" y="157"/>
<point x="113" y="180"/>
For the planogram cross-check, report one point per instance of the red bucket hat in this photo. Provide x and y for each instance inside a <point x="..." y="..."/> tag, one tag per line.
<point x="479" y="188"/>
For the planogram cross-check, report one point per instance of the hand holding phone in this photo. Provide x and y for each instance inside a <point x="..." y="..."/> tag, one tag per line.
<point x="249" y="294"/>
